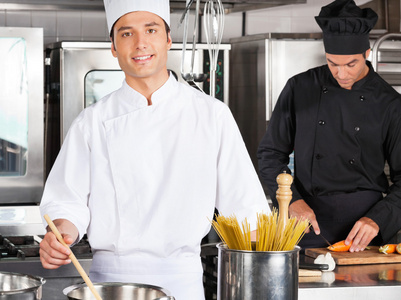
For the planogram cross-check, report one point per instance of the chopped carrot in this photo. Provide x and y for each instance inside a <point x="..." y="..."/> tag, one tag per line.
<point x="340" y="246"/>
<point x="389" y="248"/>
<point x="398" y="248"/>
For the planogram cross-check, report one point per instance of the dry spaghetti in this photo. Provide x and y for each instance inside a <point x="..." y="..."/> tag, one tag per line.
<point x="270" y="234"/>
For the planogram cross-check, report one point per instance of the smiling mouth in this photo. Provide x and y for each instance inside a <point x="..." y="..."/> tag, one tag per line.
<point x="141" y="58"/>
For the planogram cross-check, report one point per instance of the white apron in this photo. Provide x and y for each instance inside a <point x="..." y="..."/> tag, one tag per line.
<point x="170" y="274"/>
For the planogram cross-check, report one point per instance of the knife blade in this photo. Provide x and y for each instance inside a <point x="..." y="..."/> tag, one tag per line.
<point x="320" y="234"/>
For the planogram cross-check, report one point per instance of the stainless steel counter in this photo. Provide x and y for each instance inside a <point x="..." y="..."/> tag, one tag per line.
<point x="364" y="282"/>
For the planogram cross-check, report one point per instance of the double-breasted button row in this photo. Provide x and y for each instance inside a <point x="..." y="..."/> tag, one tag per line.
<point x="322" y="122"/>
<point x="325" y="90"/>
<point x="320" y="156"/>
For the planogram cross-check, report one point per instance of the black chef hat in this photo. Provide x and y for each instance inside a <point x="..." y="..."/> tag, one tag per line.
<point x="346" y="27"/>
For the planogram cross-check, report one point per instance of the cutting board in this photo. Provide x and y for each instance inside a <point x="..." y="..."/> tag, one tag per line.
<point x="368" y="256"/>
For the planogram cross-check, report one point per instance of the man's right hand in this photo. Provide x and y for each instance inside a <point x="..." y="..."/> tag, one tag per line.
<point x="300" y="209"/>
<point x="53" y="254"/>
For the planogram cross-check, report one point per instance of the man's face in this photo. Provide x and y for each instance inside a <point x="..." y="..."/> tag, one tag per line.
<point x="348" y="69"/>
<point x="141" y="44"/>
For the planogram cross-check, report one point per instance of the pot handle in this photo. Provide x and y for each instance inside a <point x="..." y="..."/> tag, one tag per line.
<point x="165" y="298"/>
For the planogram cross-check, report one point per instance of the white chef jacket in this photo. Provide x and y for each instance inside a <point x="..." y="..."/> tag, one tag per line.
<point x="143" y="181"/>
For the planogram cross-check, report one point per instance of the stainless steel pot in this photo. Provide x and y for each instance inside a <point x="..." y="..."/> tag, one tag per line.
<point x="14" y="286"/>
<point x="118" y="291"/>
<point x="269" y="275"/>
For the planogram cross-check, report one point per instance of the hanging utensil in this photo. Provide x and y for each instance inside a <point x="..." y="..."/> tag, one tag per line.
<point x="74" y="260"/>
<point x="214" y="27"/>
<point x="190" y="77"/>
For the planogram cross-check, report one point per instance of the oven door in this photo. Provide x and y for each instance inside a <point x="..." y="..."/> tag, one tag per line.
<point x="21" y="115"/>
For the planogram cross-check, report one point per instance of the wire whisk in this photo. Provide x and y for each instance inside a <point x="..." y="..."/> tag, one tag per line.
<point x="214" y="27"/>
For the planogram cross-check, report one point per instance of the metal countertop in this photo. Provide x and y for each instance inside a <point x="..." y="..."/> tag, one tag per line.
<point x="365" y="282"/>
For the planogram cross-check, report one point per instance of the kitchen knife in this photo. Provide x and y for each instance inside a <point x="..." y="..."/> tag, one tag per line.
<point x="324" y="239"/>
<point x="311" y="266"/>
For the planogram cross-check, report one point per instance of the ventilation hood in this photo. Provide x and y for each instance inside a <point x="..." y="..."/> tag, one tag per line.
<point x="230" y="5"/>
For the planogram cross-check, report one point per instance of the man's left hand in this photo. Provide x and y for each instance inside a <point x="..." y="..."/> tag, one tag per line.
<point x="363" y="232"/>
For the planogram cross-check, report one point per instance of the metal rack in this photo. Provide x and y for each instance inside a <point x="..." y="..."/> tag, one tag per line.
<point x="386" y="58"/>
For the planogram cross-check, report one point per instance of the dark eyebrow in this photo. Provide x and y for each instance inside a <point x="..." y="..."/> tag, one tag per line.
<point x="351" y="62"/>
<point x="151" y="24"/>
<point x="124" y="28"/>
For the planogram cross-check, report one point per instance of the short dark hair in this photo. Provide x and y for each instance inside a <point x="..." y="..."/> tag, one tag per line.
<point x="112" y="30"/>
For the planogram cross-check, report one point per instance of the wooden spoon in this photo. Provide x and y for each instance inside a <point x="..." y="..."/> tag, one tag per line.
<point x="74" y="260"/>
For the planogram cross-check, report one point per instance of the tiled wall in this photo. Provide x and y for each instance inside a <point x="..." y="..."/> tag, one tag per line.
<point x="60" y="25"/>
<point x="91" y="25"/>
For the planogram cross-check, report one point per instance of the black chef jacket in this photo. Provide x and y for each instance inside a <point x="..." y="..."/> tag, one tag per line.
<point x="341" y="139"/>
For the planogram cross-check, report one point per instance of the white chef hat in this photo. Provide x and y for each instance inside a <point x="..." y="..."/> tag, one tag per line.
<point x="117" y="8"/>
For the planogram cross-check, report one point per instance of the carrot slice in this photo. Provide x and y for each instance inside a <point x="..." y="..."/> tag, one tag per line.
<point x="389" y="248"/>
<point x="398" y="248"/>
<point x="339" y="246"/>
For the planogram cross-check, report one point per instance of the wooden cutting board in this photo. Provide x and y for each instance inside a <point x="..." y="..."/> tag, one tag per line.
<point x="368" y="256"/>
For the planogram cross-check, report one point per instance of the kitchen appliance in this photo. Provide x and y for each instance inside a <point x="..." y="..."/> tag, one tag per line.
<point x="262" y="64"/>
<point x="21" y="115"/>
<point x="14" y="286"/>
<point x="21" y="152"/>
<point x="80" y="73"/>
<point x="118" y="291"/>
<point x="20" y="254"/>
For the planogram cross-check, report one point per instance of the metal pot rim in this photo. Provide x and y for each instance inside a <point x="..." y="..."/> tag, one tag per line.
<point x="223" y="246"/>
<point x="70" y="288"/>
<point x="40" y="280"/>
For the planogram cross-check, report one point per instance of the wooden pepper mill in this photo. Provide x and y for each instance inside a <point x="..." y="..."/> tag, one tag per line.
<point x="284" y="196"/>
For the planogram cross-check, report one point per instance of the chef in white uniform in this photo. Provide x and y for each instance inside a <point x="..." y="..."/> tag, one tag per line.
<point x="142" y="170"/>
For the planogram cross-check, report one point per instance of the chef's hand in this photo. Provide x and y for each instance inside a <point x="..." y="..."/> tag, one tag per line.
<point x="300" y="209"/>
<point x="363" y="232"/>
<point x="53" y="254"/>
<point x="253" y="236"/>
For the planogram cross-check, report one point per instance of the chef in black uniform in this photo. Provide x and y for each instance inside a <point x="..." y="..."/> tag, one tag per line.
<point x="343" y="122"/>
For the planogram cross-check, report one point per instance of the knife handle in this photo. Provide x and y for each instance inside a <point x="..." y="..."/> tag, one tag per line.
<point x="311" y="266"/>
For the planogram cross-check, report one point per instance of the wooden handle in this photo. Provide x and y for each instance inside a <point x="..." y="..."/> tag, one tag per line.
<point x="284" y="196"/>
<point x="74" y="260"/>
